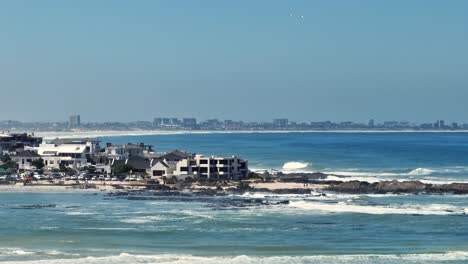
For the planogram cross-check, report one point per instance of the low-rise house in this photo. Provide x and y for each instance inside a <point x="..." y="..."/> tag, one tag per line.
<point x="123" y="152"/>
<point x="165" y="165"/>
<point x="161" y="169"/>
<point x="103" y="168"/>
<point x="70" y="155"/>
<point x="92" y="145"/>
<point x="137" y="164"/>
<point x="24" y="159"/>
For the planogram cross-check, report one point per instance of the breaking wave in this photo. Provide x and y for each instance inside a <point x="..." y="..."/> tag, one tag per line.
<point x="295" y="165"/>
<point x="343" y="207"/>
<point x="319" y="259"/>
<point x="421" y="171"/>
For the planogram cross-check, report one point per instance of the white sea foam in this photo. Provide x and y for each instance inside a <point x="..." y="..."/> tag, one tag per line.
<point x="12" y="252"/>
<point x="79" y="213"/>
<point x="142" y="219"/>
<point x="295" y="165"/>
<point x="421" y="171"/>
<point x="344" y="207"/>
<point x="319" y="259"/>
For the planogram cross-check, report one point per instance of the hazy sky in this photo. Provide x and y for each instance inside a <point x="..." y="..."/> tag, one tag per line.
<point x="250" y="59"/>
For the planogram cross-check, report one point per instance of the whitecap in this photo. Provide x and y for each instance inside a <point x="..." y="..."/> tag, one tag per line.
<point x="79" y="213"/>
<point x="344" y="207"/>
<point x="295" y="165"/>
<point x="142" y="219"/>
<point x="318" y="259"/>
<point x="421" y="172"/>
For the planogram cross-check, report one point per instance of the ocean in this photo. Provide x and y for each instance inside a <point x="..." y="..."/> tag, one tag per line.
<point x="336" y="228"/>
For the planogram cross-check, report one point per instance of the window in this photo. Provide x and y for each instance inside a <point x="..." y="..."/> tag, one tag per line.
<point x="183" y="169"/>
<point x="203" y="161"/>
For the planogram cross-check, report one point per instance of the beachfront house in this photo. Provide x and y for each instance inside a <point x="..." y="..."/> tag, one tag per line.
<point x="213" y="167"/>
<point x="166" y="164"/>
<point x="70" y="152"/>
<point x="161" y="169"/>
<point x="92" y="145"/>
<point x="124" y="151"/>
<point x="136" y="164"/>
<point x="182" y="165"/>
<point x="24" y="159"/>
<point x="70" y="155"/>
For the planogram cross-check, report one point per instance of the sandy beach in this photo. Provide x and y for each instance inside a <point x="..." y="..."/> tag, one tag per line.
<point x="70" y="186"/>
<point x="46" y="188"/>
<point x="111" y="133"/>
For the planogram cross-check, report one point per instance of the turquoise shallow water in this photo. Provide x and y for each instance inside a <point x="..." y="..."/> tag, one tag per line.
<point x="337" y="228"/>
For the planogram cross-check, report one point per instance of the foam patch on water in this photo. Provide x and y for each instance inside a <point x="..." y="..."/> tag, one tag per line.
<point x="143" y="219"/>
<point x="344" y="207"/>
<point x="79" y="213"/>
<point x="16" y="252"/>
<point x="421" y="171"/>
<point x="319" y="259"/>
<point x="295" y="165"/>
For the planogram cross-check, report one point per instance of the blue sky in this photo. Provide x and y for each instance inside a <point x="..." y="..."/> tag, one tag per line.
<point x="251" y="60"/>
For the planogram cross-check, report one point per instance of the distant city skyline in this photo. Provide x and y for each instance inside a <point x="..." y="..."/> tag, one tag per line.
<point x="239" y="60"/>
<point x="190" y="123"/>
<point x="77" y="119"/>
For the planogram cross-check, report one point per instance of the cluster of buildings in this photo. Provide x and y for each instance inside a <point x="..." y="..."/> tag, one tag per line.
<point x="76" y="154"/>
<point x="188" y="123"/>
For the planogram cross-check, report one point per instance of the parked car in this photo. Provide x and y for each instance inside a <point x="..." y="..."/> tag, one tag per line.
<point x="39" y="177"/>
<point x="101" y="177"/>
<point x="108" y="178"/>
<point x="115" y="179"/>
<point x="15" y="177"/>
<point x="57" y="176"/>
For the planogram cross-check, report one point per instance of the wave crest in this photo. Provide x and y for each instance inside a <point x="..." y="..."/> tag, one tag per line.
<point x="421" y="171"/>
<point x="319" y="259"/>
<point x="295" y="165"/>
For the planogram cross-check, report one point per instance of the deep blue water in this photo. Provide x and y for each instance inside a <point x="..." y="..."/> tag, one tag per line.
<point x="337" y="228"/>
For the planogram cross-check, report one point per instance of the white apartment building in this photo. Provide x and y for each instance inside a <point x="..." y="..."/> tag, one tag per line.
<point x="203" y="167"/>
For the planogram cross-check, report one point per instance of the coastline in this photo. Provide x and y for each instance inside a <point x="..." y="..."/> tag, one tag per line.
<point x="115" y="133"/>
<point x="303" y="184"/>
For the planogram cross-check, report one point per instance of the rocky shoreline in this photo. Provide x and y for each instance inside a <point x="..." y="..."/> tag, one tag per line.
<point x="314" y="183"/>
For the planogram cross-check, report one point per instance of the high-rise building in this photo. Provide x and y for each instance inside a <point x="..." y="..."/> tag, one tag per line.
<point x="189" y="122"/>
<point x="280" y="122"/>
<point x="371" y="123"/>
<point x="157" y="121"/>
<point x="75" y="121"/>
